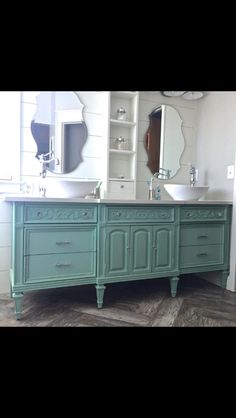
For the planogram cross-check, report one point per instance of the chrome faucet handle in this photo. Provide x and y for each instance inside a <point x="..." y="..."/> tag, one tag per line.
<point x="163" y="172"/>
<point x="192" y="169"/>
<point x="192" y="173"/>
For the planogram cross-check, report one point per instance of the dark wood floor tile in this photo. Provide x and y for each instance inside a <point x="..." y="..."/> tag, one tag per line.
<point x="145" y="303"/>
<point x="117" y="314"/>
<point x="167" y="313"/>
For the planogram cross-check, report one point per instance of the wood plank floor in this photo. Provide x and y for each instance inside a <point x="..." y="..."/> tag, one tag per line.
<point x="144" y="303"/>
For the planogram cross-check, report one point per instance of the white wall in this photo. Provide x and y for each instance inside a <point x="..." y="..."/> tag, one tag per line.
<point x="216" y="141"/>
<point x="188" y="113"/>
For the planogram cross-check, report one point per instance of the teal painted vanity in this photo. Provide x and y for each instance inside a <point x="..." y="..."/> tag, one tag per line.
<point x="60" y="243"/>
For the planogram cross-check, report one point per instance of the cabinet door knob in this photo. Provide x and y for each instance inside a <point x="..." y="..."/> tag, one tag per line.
<point x="122" y="186"/>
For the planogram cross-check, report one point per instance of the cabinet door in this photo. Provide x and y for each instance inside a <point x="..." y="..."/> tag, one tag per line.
<point x="141" y="249"/>
<point x="117" y="251"/>
<point x="163" y="248"/>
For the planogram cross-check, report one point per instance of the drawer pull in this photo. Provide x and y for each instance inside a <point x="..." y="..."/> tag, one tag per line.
<point x="85" y="213"/>
<point x="63" y="242"/>
<point x="122" y="186"/>
<point x="202" y="254"/>
<point x="63" y="264"/>
<point x="203" y="236"/>
<point x="189" y="214"/>
<point x="118" y="213"/>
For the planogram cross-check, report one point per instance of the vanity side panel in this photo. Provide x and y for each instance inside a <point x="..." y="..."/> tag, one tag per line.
<point x="17" y="265"/>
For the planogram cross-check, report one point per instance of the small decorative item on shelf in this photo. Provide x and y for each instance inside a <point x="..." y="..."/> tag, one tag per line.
<point x="121" y="143"/>
<point x="121" y="114"/>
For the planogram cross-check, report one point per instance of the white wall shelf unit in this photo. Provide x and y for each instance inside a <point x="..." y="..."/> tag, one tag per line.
<point x="122" y="145"/>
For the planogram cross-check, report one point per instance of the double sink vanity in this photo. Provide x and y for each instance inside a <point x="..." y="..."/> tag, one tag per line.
<point x="58" y="242"/>
<point x="70" y="241"/>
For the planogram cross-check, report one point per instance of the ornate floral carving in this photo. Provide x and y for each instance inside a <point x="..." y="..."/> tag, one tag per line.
<point x="203" y="213"/>
<point x="44" y="214"/>
<point x="135" y="214"/>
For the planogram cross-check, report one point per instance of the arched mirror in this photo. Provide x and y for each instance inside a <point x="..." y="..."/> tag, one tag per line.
<point x="164" y="141"/>
<point x="59" y="130"/>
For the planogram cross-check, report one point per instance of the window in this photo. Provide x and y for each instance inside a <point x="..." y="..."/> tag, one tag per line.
<point x="10" y="130"/>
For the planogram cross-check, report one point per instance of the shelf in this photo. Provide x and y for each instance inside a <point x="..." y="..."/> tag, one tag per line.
<point x="124" y="94"/>
<point x="120" y="151"/>
<point x="122" y="123"/>
<point x="122" y="162"/>
<point x="116" y="179"/>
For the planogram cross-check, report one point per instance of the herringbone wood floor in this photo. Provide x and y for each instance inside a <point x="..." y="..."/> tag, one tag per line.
<point x="144" y="303"/>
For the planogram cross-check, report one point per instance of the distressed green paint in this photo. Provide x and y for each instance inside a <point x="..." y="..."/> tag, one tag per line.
<point x="164" y="243"/>
<point x="140" y="249"/>
<point x="117" y="247"/>
<point x="173" y="286"/>
<point x="69" y="244"/>
<point x="100" y="289"/>
<point x="18" y="303"/>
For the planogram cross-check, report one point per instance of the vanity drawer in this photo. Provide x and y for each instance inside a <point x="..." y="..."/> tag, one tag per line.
<point x="201" y="234"/>
<point x="40" y="268"/>
<point x="204" y="255"/>
<point x="121" y="187"/>
<point x="46" y="213"/>
<point x="205" y="213"/>
<point x="140" y="214"/>
<point x="50" y="240"/>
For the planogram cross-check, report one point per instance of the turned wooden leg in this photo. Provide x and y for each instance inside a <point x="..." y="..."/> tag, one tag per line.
<point x="100" y="289"/>
<point x="173" y="285"/>
<point x="17" y="296"/>
<point x="224" y="278"/>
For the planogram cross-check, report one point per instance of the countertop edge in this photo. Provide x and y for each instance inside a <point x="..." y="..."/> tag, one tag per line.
<point x="24" y="198"/>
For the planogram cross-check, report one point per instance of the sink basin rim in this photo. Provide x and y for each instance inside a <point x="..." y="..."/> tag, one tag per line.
<point x="185" y="191"/>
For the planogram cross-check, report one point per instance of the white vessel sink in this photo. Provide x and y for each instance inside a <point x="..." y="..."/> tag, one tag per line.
<point x="185" y="192"/>
<point x="68" y="188"/>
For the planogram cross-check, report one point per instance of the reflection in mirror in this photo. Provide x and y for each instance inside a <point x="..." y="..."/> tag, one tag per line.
<point x="164" y="140"/>
<point x="59" y="130"/>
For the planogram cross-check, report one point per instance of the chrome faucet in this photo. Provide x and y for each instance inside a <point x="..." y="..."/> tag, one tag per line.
<point x="192" y="173"/>
<point x="162" y="174"/>
<point x="150" y="186"/>
<point x="98" y="190"/>
<point x="43" y="161"/>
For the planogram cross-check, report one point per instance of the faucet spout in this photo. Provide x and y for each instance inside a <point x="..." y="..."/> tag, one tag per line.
<point x="44" y="163"/>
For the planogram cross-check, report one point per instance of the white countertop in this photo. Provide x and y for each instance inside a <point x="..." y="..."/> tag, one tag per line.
<point x="27" y="198"/>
